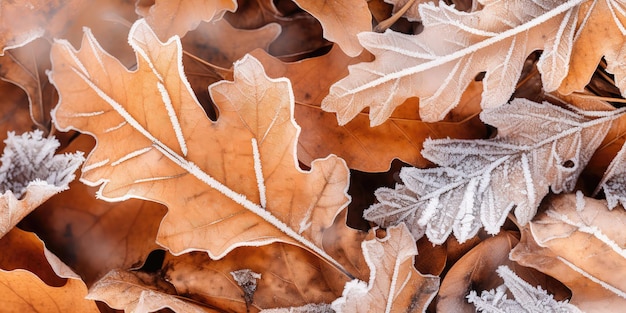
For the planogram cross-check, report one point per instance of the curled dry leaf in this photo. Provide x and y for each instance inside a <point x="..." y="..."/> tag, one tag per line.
<point x="30" y="174"/>
<point x="342" y="21"/>
<point x="356" y="142"/>
<point x="394" y="283"/>
<point x="578" y="241"/>
<point x="94" y="236"/>
<point x="140" y="292"/>
<point x="176" y="17"/>
<point x="600" y="33"/>
<point x="496" y="39"/>
<point x="230" y="183"/>
<point x="290" y="276"/>
<point x="538" y="147"/>
<point x="34" y="280"/>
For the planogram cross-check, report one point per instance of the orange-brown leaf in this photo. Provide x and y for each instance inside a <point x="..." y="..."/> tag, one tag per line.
<point x="394" y="284"/>
<point x="230" y="183"/>
<point x="33" y="280"/>
<point x="177" y="17"/>
<point x="578" y="241"/>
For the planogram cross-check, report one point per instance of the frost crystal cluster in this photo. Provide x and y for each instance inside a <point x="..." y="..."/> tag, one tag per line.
<point x="30" y="158"/>
<point x="539" y="146"/>
<point x="527" y="298"/>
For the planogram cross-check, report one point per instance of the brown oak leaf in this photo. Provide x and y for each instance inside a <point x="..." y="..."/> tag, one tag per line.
<point x="34" y="280"/>
<point x="578" y="241"/>
<point x="600" y="33"/>
<point x="234" y="182"/>
<point x="394" y="283"/>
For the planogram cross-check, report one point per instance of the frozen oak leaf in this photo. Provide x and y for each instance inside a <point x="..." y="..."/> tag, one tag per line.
<point x="582" y="244"/>
<point x="394" y="285"/>
<point x="438" y="64"/>
<point x="230" y="183"/>
<point x="30" y="174"/>
<point x="527" y="297"/>
<point x="538" y="146"/>
<point x="177" y="17"/>
<point x="601" y="34"/>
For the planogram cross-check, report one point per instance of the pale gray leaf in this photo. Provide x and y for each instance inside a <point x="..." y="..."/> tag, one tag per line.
<point x="481" y="181"/>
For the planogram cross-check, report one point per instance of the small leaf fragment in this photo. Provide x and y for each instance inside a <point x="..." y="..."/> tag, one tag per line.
<point x="394" y="282"/>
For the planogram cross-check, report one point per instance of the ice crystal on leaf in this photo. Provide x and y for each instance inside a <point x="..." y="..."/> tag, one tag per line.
<point x="527" y="297"/>
<point x="30" y="158"/>
<point x="32" y="173"/>
<point x="495" y="40"/>
<point x="538" y="146"/>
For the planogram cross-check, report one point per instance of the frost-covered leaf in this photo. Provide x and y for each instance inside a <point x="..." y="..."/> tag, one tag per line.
<point x="30" y="174"/>
<point x="140" y="292"/>
<point x="601" y="33"/>
<point x="528" y="298"/>
<point x="341" y="20"/>
<point x="438" y="64"/>
<point x="34" y="280"/>
<point x="234" y="182"/>
<point x="614" y="181"/>
<point x="538" y="146"/>
<point x="394" y="284"/>
<point x="176" y="17"/>
<point x="581" y="243"/>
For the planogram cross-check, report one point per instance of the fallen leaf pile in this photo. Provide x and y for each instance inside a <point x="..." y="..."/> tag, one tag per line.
<point x="312" y="156"/>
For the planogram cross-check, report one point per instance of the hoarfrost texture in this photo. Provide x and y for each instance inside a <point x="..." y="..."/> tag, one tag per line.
<point x="528" y="299"/>
<point x="538" y="147"/>
<point x="29" y="158"/>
